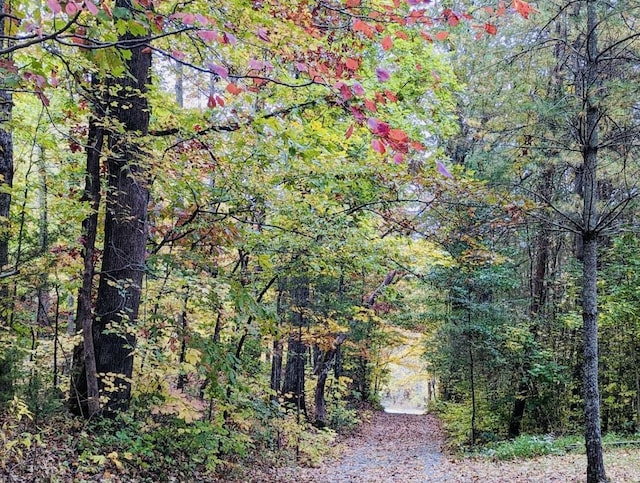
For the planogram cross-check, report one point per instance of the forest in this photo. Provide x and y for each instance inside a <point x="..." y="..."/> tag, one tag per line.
<point x="219" y="220"/>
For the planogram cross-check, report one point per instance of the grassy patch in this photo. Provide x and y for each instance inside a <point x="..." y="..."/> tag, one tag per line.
<point x="531" y="446"/>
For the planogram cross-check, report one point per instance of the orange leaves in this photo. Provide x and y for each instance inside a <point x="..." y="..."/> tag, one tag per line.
<point x="364" y="27"/>
<point x="233" y="89"/>
<point x="352" y="64"/>
<point x="387" y="43"/>
<point x="490" y="28"/>
<point x="398" y="135"/>
<point x="453" y="20"/>
<point x="370" y="105"/>
<point x="523" y="8"/>
<point x="390" y="96"/>
<point x="442" y="35"/>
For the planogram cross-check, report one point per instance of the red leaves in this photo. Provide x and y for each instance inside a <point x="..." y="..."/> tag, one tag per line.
<point x="378" y="127"/>
<point x="388" y="138"/>
<point x="378" y="145"/>
<point x="365" y="28"/>
<point x="490" y="28"/>
<point x="215" y="100"/>
<point x="208" y="35"/>
<point x="387" y="43"/>
<point x="390" y="96"/>
<point x="452" y="18"/>
<point x="442" y="35"/>
<point x="370" y="105"/>
<point x="357" y="89"/>
<point x="345" y="90"/>
<point x="398" y="135"/>
<point x="349" y="132"/>
<point x="523" y="8"/>
<point x="352" y="64"/>
<point x="353" y="3"/>
<point x="233" y="89"/>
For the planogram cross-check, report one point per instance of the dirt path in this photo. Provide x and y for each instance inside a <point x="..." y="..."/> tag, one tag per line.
<point x="390" y="448"/>
<point x="404" y="448"/>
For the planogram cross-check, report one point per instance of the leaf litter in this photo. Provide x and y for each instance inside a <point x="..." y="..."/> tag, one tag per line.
<point x="399" y="448"/>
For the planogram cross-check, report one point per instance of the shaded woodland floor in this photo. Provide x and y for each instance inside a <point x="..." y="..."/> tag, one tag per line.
<point x="398" y="448"/>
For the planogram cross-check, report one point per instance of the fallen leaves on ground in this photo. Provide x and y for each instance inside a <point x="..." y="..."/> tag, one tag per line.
<point x="399" y="448"/>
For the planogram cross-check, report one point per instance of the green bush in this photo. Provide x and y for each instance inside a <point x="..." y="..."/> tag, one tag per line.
<point x="10" y="359"/>
<point x="525" y="446"/>
<point x="161" y="449"/>
<point x="456" y="419"/>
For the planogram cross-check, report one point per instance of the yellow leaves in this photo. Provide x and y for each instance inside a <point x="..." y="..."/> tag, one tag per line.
<point x="113" y="457"/>
<point x="182" y="406"/>
<point x="193" y="356"/>
<point x="98" y="459"/>
<point x="13" y="439"/>
<point x="324" y="333"/>
<point x="516" y="338"/>
<point x="18" y="409"/>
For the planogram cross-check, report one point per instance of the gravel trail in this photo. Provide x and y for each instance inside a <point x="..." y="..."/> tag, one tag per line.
<point x="390" y="448"/>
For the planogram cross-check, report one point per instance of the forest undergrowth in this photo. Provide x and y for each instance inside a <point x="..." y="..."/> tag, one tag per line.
<point x="383" y="448"/>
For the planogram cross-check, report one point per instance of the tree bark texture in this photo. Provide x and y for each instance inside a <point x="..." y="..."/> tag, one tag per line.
<point x="589" y="140"/>
<point x="6" y="178"/>
<point x="125" y="228"/>
<point x="84" y="393"/>
<point x="593" y="437"/>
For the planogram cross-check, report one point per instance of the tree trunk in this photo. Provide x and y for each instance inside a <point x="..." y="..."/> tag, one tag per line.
<point x="276" y="355"/>
<point x="593" y="436"/>
<point x="328" y="358"/>
<point x="184" y="337"/>
<point x="294" y="376"/>
<point x="538" y="274"/>
<point x="84" y="392"/>
<point x="125" y="228"/>
<point x="589" y="139"/>
<point x="320" y="413"/>
<point x="6" y="178"/>
<point x="276" y="366"/>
